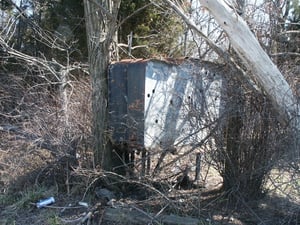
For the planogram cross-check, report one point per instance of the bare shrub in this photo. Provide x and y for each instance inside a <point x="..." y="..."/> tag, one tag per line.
<point x="32" y="114"/>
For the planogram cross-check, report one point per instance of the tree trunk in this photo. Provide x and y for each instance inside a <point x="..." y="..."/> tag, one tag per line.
<point x="233" y="137"/>
<point x="264" y="72"/>
<point x="101" y="25"/>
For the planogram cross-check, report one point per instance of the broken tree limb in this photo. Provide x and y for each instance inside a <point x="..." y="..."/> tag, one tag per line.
<point x="264" y="71"/>
<point x="132" y="216"/>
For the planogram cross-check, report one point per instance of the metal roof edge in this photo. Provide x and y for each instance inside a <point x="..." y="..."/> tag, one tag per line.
<point x="176" y="61"/>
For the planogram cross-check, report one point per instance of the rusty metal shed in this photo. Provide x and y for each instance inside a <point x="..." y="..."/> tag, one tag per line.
<point x="150" y="100"/>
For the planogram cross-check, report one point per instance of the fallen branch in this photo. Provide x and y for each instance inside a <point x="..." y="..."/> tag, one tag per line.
<point x="132" y="216"/>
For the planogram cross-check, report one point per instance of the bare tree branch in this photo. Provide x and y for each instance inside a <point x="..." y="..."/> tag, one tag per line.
<point x="134" y="13"/>
<point x="223" y="54"/>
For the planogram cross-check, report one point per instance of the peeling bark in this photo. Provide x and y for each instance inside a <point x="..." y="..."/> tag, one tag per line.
<point x="101" y="25"/>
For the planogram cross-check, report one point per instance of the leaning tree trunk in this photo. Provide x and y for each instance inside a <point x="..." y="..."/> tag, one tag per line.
<point x="264" y="72"/>
<point x="101" y="25"/>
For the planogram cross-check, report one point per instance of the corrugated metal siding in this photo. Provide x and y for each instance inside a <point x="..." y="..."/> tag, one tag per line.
<point x="117" y="102"/>
<point x="136" y="103"/>
<point x="126" y="103"/>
